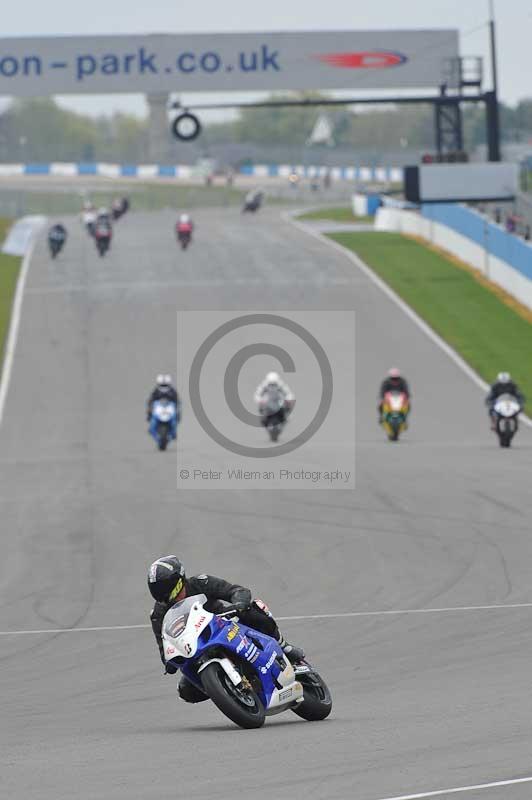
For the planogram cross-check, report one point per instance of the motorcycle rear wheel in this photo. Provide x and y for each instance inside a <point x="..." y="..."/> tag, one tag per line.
<point x="317" y="702"/>
<point x="242" y="706"/>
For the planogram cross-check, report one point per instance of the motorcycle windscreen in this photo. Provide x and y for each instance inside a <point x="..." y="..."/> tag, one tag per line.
<point x="164" y="410"/>
<point x="274" y="402"/>
<point x="507" y="405"/>
<point x="175" y="619"/>
<point x="396" y="401"/>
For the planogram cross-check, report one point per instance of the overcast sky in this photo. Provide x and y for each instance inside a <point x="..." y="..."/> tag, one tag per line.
<point x="63" y="17"/>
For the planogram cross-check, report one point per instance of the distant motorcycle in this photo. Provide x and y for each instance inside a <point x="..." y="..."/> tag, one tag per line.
<point x="395" y="408"/>
<point x="119" y="207"/>
<point x="163" y="422"/>
<point x="102" y="237"/>
<point x="253" y="202"/>
<point x="184" y="235"/>
<point x="505" y="413"/>
<point x="56" y="240"/>
<point x="273" y="410"/>
<point x="245" y="673"/>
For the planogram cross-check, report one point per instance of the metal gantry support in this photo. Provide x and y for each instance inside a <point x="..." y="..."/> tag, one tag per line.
<point x="448" y="127"/>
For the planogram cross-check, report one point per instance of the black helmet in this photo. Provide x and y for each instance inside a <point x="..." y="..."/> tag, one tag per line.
<point x="166" y="578"/>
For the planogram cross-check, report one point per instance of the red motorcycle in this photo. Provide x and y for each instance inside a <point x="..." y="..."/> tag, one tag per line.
<point x="184" y="234"/>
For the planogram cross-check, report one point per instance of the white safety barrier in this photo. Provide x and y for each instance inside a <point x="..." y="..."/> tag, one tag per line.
<point x="477" y="253"/>
<point x="21" y="235"/>
<point x="360" y="174"/>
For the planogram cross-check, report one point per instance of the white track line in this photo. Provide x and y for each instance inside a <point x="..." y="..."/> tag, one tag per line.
<point x="442" y="792"/>
<point x="14" y="327"/>
<point x="299" y="618"/>
<point x="417" y="320"/>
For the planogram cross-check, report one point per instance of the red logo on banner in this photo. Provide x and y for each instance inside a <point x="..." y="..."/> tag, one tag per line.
<point x="369" y="59"/>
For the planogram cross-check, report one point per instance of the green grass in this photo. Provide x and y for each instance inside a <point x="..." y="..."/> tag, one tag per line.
<point x="337" y="214"/>
<point x="143" y="196"/>
<point x="9" y="269"/>
<point x="486" y="332"/>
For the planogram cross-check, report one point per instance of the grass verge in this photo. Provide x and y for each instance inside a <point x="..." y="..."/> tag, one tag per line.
<point x="9" y="269"/>
<point x="64" y="199"/>
<point x="337" y="214"/>
<point x="489" y="334"/>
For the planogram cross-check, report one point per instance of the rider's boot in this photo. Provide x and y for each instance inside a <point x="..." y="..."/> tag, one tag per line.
<point x="294" y="654"/>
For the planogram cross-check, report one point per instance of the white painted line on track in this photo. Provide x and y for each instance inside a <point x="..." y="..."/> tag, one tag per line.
<point x="14" y="328"/>
<point x="95" y="629"/>
<point x="396" y="612"/>
<point x="458" y="789"/>
<point x="288" y="216"/>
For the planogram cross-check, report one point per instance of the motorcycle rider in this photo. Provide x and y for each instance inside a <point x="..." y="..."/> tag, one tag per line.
<point x="184" y="226"/>
<point x="102" y="230"/>
<point x="393" y="382"/>
<point x="57" y="234"/>
<point x="164" y="390"/>
<point x="104" y="216"/>
<point x="88" y="216"/>
<point x="273" y="383"/>
<point x="503" y="385"/>
<point x="168" y="585"/>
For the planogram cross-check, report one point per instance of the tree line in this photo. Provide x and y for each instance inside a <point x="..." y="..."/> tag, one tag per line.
<point x="40" y="130"/>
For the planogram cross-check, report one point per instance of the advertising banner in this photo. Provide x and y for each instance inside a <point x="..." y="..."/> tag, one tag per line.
<point x="224" y="62"/>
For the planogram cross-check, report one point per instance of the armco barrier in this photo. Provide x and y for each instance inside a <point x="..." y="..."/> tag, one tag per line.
<point x="474" y="226"/>
<point x="260" y="171"/>
<point x="502" y="257"/>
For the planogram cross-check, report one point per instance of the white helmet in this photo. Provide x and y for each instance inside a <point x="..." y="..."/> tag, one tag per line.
<point x="504" y="377"/>
<point x="160" y="380"/>
<point x="272" y="377"/>
<point x="184" y="218"/>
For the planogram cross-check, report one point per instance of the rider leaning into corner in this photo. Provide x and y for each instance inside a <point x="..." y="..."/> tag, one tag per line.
<point x="274" y="383"/>
<point x="164" y="390"/>
<point x="168" y="585"/>
<point x="393" y="382"/>
<point x="503" y="385"/>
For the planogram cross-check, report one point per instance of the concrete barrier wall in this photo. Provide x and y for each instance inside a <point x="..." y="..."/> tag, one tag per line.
<point x="501" y="257"/>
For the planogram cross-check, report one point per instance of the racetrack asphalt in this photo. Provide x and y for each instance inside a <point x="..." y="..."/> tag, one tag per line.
<point x="441" y="519"/>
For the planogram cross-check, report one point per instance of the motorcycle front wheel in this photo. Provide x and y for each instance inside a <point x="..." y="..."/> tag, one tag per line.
<point x="162" y="438"/>
<point x="274" y="434"/>
<point x="241" y="705"/>
<point x="317" y="701"/>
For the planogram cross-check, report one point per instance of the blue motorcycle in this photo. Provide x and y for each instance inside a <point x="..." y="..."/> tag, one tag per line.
<point x="245" y="673"/>
<point x="163" y="422"/>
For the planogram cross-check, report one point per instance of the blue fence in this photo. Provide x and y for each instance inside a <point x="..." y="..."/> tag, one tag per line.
<point x="503" y="245"/>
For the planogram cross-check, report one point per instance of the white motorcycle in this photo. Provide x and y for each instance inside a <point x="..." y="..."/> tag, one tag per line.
<point x="244" y="672"/>
<point x="505" y="412"/>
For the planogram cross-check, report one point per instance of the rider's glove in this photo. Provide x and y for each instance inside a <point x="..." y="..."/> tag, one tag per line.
<point x="170" y="669"/>
<point x="241" y="605"/>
